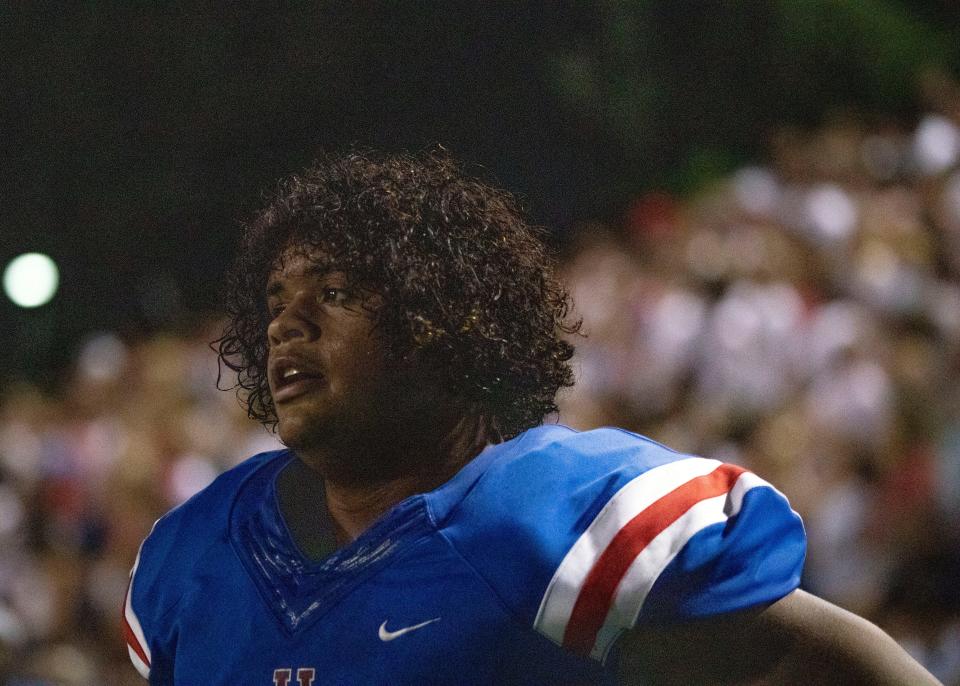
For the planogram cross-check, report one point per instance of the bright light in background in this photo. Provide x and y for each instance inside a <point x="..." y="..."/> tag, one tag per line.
<point x="31" y="279"/>
<point x="936" y="144"/>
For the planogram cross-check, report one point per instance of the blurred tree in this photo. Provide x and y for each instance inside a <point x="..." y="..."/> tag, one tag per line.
<point x="688" y="88"/>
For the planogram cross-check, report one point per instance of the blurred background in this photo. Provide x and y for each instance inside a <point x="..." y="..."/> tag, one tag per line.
<point x="756" y="205"/>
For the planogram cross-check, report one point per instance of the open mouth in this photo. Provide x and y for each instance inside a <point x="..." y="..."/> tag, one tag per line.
<point x="291" y="382"/>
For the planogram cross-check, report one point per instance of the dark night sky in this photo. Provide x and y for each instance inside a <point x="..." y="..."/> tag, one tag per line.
<point x="134" y="139"/>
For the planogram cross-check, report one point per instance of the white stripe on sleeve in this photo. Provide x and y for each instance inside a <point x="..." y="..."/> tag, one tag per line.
<point x="558" y="601"/>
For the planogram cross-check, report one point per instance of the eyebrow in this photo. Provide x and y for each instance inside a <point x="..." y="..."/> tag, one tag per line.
<point x="275" y="287"/>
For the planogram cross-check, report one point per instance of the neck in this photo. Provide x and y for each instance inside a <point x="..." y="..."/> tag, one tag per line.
<point x="354" y="508"/>
<point x="361" y="485"/>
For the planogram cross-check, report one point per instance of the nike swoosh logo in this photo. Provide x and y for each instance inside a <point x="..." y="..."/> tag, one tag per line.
<point x="390" y="635"/>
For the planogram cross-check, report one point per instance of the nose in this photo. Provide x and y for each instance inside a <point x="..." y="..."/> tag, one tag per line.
<point x="291" y="323"/>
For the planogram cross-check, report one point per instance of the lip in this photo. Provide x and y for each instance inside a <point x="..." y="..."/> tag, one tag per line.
<point x="298" y="388"/>
<point x="281" y="390"/>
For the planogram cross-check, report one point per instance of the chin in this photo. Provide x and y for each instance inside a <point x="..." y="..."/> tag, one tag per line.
<point x="291" y="433"/>
<point x="300" y="433"/>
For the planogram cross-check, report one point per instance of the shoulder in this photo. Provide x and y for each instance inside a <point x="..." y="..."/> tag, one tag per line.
<point x="533" y="497"/>
<point x="576" y="455"/>
<point x="163" y="567"/>
<point x="585" y="534"/>
<point x="203" y="518"/>
<point x="520" y="480"/>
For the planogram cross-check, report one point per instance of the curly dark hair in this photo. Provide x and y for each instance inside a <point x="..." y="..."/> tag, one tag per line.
<point x="466" y="282"/>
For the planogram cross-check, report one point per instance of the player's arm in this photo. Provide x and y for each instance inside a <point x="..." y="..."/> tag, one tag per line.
<point x="800" y="639"/>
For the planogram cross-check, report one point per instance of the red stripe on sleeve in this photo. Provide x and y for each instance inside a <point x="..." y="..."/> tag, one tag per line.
<point x="596" y="596"/>
<point x="129" y="636"/>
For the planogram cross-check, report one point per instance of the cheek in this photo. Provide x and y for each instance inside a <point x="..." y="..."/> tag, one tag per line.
<point x="359" y="362"/>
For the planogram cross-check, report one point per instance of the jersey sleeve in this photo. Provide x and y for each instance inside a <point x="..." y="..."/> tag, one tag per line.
<point x="162" y="573"/>
<point x="685" y="540"/>
<point x="164" y="570"/>
<point x="137" y="645"/>
<point x="612" y="531"/>
<point x="147" y="604"/>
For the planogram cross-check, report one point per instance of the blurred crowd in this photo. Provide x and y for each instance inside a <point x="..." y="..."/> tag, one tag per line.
<point x="136" y="429"/>
<point x="801" y="317"/>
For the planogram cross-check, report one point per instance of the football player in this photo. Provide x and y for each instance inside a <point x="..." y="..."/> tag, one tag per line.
<point x="400" y="325"/>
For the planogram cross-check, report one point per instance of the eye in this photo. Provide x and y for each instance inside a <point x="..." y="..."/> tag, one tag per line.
<point x="275" y="310"/>
<point x="335" y="296"/>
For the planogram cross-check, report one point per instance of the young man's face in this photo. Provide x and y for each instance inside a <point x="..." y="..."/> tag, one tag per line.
<point x="328" y="369"/>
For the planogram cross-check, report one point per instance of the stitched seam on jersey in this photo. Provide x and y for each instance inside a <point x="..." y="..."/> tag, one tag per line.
<point x="455" y="508"/>
<point x="169" y="610"/>
<point x="524" y="627"/>
<point x="503" y="603"/>
<point x="647" y="439"/>
<point x="161" y="656"/>
<point x="524" y="437"/>
<point x="163" y="615"/>
<point x="539" y="452"/>
<point x="160" y="619"/>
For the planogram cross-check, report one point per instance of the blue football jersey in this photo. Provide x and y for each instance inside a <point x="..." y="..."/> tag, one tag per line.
<point x="524" y="568"/>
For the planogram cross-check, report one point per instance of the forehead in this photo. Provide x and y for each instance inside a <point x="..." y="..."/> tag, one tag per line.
<point x="298" y="261"/>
